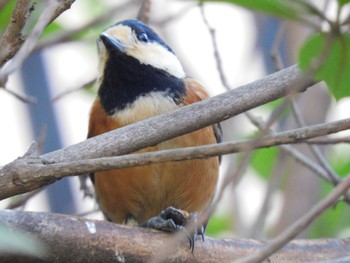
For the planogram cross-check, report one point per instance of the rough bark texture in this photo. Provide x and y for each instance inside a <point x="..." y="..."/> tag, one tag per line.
<point x="74" y="239"/>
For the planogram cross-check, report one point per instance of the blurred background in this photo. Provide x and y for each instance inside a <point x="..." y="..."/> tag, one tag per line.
<point x="270" y="190"/>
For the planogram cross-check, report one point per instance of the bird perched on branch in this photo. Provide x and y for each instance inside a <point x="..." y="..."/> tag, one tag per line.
<point x="141" y="77"/>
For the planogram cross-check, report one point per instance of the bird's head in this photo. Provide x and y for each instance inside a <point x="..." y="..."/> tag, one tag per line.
<point x="131" y="39"/>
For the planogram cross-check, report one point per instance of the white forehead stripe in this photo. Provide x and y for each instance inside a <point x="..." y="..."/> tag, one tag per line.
<point x="153" y="54"/>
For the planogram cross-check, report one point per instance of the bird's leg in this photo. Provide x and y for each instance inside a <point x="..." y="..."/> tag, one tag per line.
<point x="172" y="219"/>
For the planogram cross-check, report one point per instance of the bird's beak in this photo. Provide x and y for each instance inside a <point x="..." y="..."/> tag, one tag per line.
<point x="111" y="43"/>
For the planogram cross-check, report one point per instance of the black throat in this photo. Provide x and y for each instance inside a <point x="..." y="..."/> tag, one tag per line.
<point x="125" y="79"/>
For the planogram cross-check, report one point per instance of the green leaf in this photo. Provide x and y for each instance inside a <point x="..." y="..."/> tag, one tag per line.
<point x="5" y="14"/>
<point x="218" y="224"/>
<point x="334" y="60"/>
<point x="343" y="2"/>
<point x="280" y="8"/>
<point x="15" y="241"/>
<point x="264" y="161"/>
<point x="51" y="29"/>
<point x="339" y="158"/>
<point x="333" y="221"/>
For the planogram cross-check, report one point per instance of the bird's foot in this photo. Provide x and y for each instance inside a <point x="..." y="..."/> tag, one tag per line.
<point x="172" y="220"/>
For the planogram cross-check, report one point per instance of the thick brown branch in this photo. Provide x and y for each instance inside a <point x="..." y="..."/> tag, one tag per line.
<point x="93" y="241"/>
<point x="195" y="116"/>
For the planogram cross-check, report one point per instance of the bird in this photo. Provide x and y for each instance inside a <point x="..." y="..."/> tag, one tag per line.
<point x="139" y="77"/>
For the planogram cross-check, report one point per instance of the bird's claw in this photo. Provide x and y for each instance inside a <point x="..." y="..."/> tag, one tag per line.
<point x="172" y="219"/>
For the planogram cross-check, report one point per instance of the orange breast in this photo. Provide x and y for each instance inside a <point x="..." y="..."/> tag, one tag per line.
<point x="143" y="192"/>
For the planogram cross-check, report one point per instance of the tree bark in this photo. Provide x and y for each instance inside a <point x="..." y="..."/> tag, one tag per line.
<point x="74" y="239"/>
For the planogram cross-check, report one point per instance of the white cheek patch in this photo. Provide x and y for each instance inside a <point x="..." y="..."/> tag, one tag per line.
<point x="153" y="104"/>
<point x="153" y="54"/>
<point x="157" y="56"/>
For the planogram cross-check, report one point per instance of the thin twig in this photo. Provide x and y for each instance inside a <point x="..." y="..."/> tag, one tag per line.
<point x="41" y="174"/>
<point x="69" y="35"/>
<point x="199" y="152"/>
<point x="23" y="199"/>
<point x="298" y="156"/>
<point x="31" y="40"/>
<point x="144" y="12"/>
<point x="315" y="150"/>
<point x="69" y="91"/>
<point x="272" y="185"/>
<point x="291" y="232"/>
<point x="217" y="56"/>
<point x="274" y="52"/>
<point x="22" y="97"/>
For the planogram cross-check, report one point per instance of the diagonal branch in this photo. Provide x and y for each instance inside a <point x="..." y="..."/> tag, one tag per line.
<point x="187" y="119"/>
<point x="301" y="224"/>
<point x="35" y="175"/>
<point x="12" y="38"/>
<point x="52" y="11"/>
<point x="154" y="130"/>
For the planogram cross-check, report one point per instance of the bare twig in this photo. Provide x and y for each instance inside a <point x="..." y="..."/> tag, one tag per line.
<point x="329" y="140"/>
<point x="145" y="10"/>
<point x="23" y="199"/>
<point x="217" y="56"/>
<point x="274" y="52"/>
<point x="334" y="177"/>
<point x="272" y="185"/>
<point x="68" y="35"/>
<point x="34" y="175"/>
<point x="30" y="41"/>
<point x="62" y="6"/>
<point x="301" y="224"/>
<point x="12" y="38"/>
<point x="69" y="91"/>
<point x="22" y="97"/>
<point x="46" y="17"/>
<point x="301" y="158"/>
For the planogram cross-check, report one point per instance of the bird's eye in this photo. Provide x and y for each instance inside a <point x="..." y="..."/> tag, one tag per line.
<point x="143" y="37"/>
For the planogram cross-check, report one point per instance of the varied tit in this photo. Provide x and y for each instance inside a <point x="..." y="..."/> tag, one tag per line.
<point x="141" y="77"/>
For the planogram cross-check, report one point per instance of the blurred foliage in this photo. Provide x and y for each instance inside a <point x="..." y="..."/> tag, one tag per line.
<point x="16" y="241"/>
<point x="325" y="55"/>
<point x="5" y="14"/>
<point x="279" y="8"/>
<point x="339" y="159"/>
<point x="334" y="222"/>
<point x="218" y="224"/>
<point x="332" y="53"/>
<point x="264" y="160"/>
